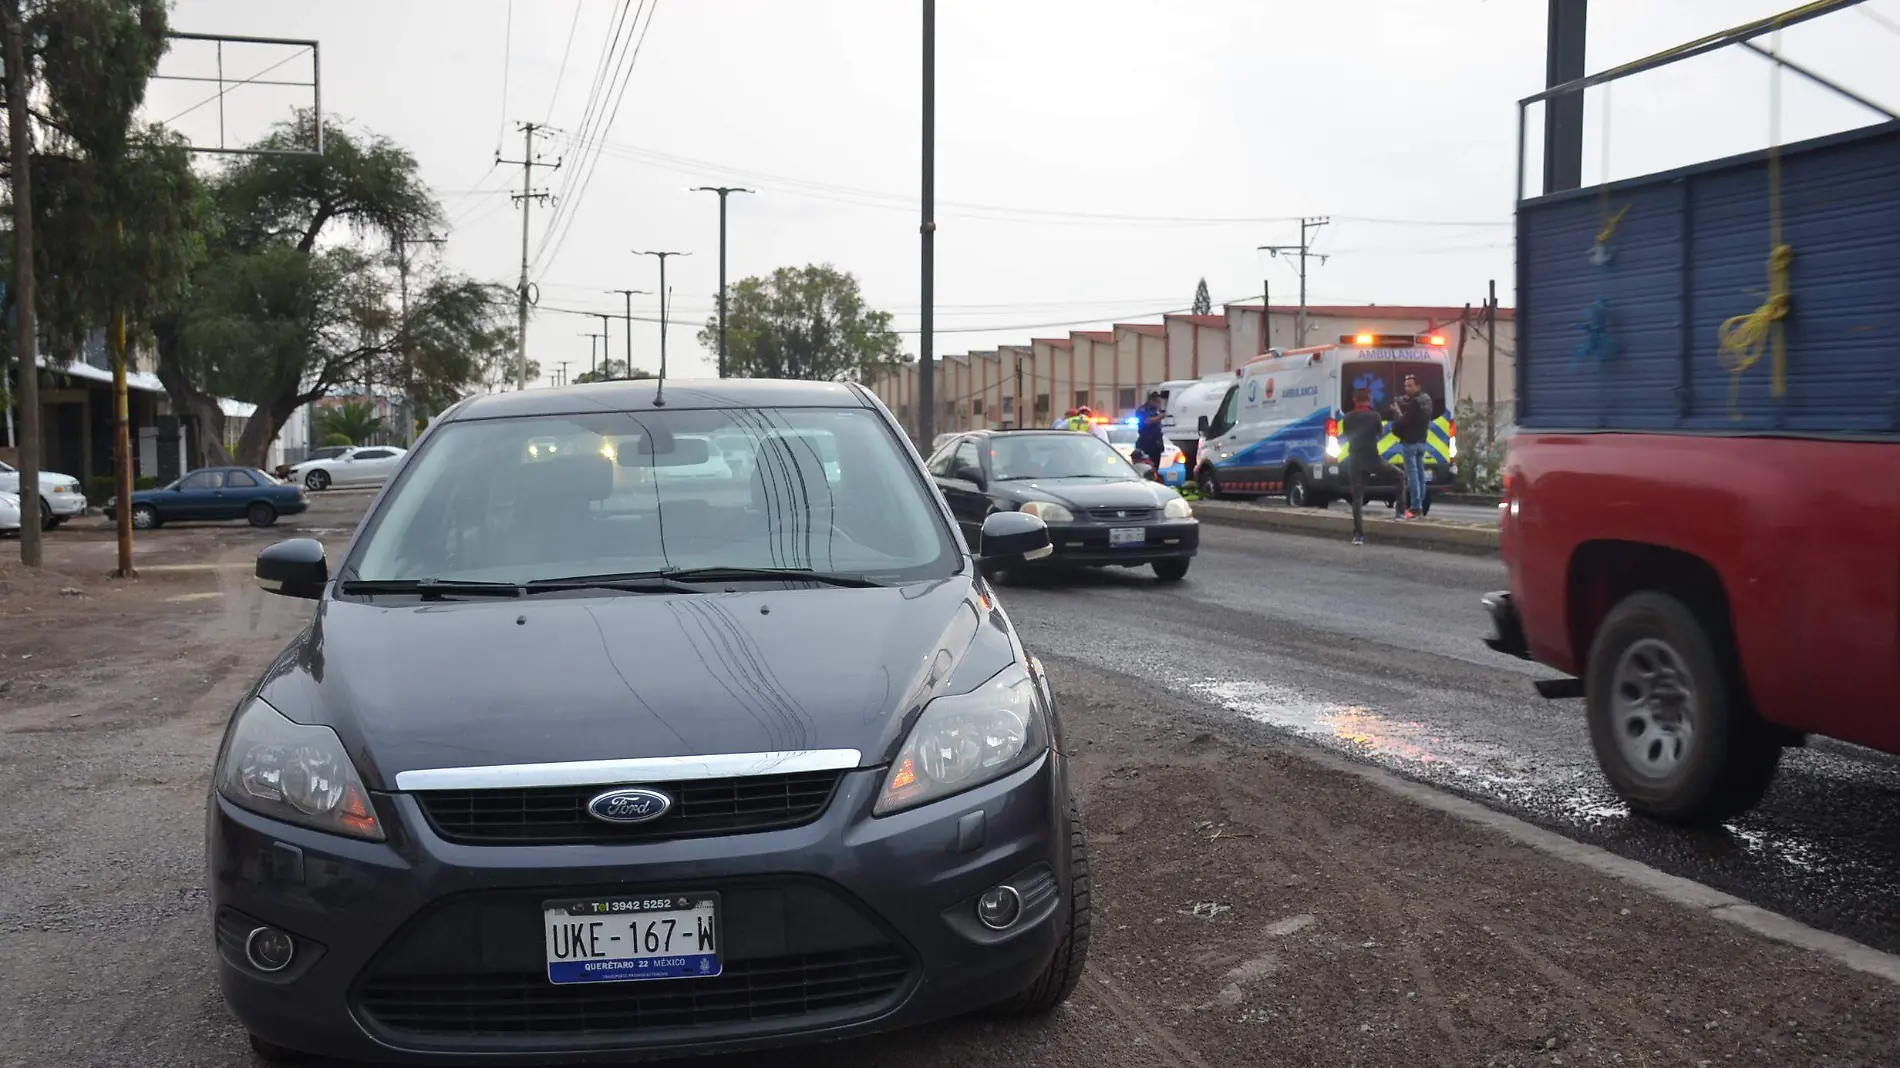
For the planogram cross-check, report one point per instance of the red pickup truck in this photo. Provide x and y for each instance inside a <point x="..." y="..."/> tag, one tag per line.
<point x="1702" y="502"/>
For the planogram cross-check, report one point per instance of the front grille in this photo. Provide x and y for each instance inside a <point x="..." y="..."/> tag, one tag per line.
<point x="558" y="814"/>
<point x="769" y="988"/>
<point x="1121" y="515"/>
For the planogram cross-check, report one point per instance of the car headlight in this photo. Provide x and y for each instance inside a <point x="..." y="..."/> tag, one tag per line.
<point x="295" y="772"/>
<point x="1048" y="512"/>
<point x="1177" y="508"/>
<point x="966" y="740"/>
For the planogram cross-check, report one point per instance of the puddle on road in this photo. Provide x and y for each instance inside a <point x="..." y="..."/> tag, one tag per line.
<point x="1410" y="747"/>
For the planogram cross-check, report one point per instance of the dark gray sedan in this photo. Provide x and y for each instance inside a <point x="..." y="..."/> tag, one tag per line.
<point x="574" y="762"/>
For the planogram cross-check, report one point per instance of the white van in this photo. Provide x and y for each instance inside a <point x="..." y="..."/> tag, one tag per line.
<point x="1277" y="429"/>
<point x="1186" y="400"/>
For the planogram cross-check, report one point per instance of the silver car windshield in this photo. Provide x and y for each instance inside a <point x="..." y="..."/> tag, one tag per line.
<point x="545" y="498"/>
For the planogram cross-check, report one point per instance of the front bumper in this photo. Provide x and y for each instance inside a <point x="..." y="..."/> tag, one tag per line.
<point x="1507" y="628"/>
<point x="66" y="505"/>
<point x="420" y="950"/>
<point x="1088" y="544"/>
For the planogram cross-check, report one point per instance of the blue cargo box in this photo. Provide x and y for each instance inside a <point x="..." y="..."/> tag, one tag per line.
<point x="1634" y="343"/>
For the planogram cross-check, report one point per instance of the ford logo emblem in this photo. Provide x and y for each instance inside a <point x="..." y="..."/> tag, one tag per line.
<point x="632" y="804"/>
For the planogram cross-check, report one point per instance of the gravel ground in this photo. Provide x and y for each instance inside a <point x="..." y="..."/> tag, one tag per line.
<point x="1254" y="906"/>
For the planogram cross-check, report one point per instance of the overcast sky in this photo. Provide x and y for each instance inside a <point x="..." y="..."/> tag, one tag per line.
<point x="1095" y="158"/>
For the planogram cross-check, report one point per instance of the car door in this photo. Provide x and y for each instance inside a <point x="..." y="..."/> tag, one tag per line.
<point x="240" y="489"/>
<point x="960" y="479"/>
<point x="195" y="498"/>
<point x="368" y="465"/>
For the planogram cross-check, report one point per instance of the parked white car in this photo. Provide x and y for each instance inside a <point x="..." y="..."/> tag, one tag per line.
<point x="9" y="512"/>
<point x="61" y="497"/>
<point x="366" y="465"/>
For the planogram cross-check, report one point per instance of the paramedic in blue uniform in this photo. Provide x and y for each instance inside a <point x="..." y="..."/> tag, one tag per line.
<point x="1412" y="424"/>
<point x="1148" y="429"/>
<point x="1362" y="428"/>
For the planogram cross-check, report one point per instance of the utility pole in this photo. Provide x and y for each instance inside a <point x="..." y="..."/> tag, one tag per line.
<point x="926" y="359"/>
<point x="661" y="256"/>
<point x="564" y="363"/>
<point x="526" y="198"/>
<point x="1308" y="226"/>
<point x="403" y="241"/>
<point x="1491" y="366"/>
<point x="590" y="336"/>
<point x="629" y="294"/>
<point x="723" y="191"/>
<point x="27" y="336"/>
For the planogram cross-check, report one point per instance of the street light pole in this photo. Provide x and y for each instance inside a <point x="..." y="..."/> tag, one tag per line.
<point x="661" y="256"/>
<point x="723" y="191"/>
<point x="629" y="294"/>
<point x="926" y="362"/>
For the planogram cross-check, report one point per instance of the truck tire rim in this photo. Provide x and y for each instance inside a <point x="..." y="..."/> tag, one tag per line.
<point x="1652" y="708"/>
<point x="1296" y="491"/>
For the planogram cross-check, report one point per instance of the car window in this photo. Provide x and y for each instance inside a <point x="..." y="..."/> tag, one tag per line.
<point x="547" y="497"/>
<point x="966" y="455"/>
<point x="375" y="454"/>
<point x="7" y="468"/>
<point x="942" y="461"/>
<point x="239" y="480"/>
<point x="1062" y="454"/>
<point x="202" y="480"/>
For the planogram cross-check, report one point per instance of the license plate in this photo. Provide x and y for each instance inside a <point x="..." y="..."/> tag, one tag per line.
<point x="628" y="939"/>
<point x="1120" y="536"/>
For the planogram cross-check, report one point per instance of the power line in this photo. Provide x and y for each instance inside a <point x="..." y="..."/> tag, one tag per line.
<point x="902" y="202"/>
<point x="606" y="67"/>
<point x="561" y="75"/>
<point x="507" y="61"/>
<point x="592" y="163"/>
<point x="1880" y="20"/>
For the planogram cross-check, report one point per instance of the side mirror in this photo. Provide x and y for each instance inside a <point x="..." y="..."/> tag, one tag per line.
<point x="1012" y="537"/>
<point x="1202" y="424"/>
<point x="969" y="474"/>
<point x="294" y="568"/>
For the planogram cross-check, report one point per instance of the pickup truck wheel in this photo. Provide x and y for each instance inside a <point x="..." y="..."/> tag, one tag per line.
<point x="1667" y="719"/>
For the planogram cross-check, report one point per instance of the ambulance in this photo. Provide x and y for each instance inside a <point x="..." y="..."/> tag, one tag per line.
<point x="1277" y="428"/>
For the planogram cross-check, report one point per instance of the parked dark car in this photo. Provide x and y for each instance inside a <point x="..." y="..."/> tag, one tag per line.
<point x="1100" y="510"/>
<point x="214" y="493"/>
<point x="573" y="762"/>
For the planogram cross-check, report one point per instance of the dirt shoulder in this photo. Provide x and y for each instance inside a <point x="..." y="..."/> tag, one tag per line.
<point x="1249" y="898"/>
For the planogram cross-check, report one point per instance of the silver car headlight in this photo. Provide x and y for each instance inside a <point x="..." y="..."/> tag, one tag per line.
<point x="1048" y="512"/>
<point x="966" y="740"/>
<point x="295" y="772"/>
<point x="1178" y="508"/>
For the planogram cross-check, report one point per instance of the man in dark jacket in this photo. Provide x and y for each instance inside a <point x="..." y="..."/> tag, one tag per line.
<point x="1361" y="430"/>
<point x="1148" y="438"/>
<point x="1412" y="419"/>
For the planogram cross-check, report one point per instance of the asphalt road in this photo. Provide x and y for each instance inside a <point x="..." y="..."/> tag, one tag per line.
<point x="1253" y="904"/>
<point x="1375" y="652"/>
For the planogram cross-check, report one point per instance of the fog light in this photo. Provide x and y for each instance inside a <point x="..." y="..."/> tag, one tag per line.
<point x="269" y="950"/>
<point x="999" y="907"/>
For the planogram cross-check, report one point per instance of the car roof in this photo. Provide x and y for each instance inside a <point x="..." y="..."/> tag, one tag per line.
<point x="639" y="395"/>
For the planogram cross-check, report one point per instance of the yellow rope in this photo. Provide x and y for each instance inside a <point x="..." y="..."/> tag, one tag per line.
<point x="1746" y="338"/>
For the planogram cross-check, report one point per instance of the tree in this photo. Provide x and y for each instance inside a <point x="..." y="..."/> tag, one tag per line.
<point x="358" y="422"/>
<point x="297" y="295"/>
<point x="805" y="322"/>
<point x="1203" y="302"/>
<point x="613" y="369"/>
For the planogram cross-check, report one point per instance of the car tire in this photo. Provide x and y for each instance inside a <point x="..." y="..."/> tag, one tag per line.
<point x="145" y="517"/>
<point x="1171" y="570"/>
<point x="1209" y="484"/>
<point x="1064" y="971"/>
<point x="47" y="520"/>
<point x="272" y="1053"/>
<point x="317" y="481"/>
<point x="1646" y="649"/>
<point x="260" y="514"/>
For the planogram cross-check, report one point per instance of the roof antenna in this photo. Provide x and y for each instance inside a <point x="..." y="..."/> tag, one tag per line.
<point x="659" y="390"/>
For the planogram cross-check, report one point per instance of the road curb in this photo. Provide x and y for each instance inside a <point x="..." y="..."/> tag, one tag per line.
<point x="1475" y="540"/>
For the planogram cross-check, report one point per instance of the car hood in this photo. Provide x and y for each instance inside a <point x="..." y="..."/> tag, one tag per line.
<point x="566" y="677"/>
<point x="1090" y="492"/>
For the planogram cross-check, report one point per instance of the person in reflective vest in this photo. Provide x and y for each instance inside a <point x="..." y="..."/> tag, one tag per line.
<point x="1079" y="420"/>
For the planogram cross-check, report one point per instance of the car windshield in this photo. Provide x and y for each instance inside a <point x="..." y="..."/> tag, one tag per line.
<point x="1123" y="434"/>
<point x="1061" y="454"/>
<point x="543" y="498"/>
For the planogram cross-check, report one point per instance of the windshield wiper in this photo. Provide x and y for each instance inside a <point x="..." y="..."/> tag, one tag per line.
<point x="433" y="589"/>
<point x="632" y="582"/>
<point x="792" y="574"/>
